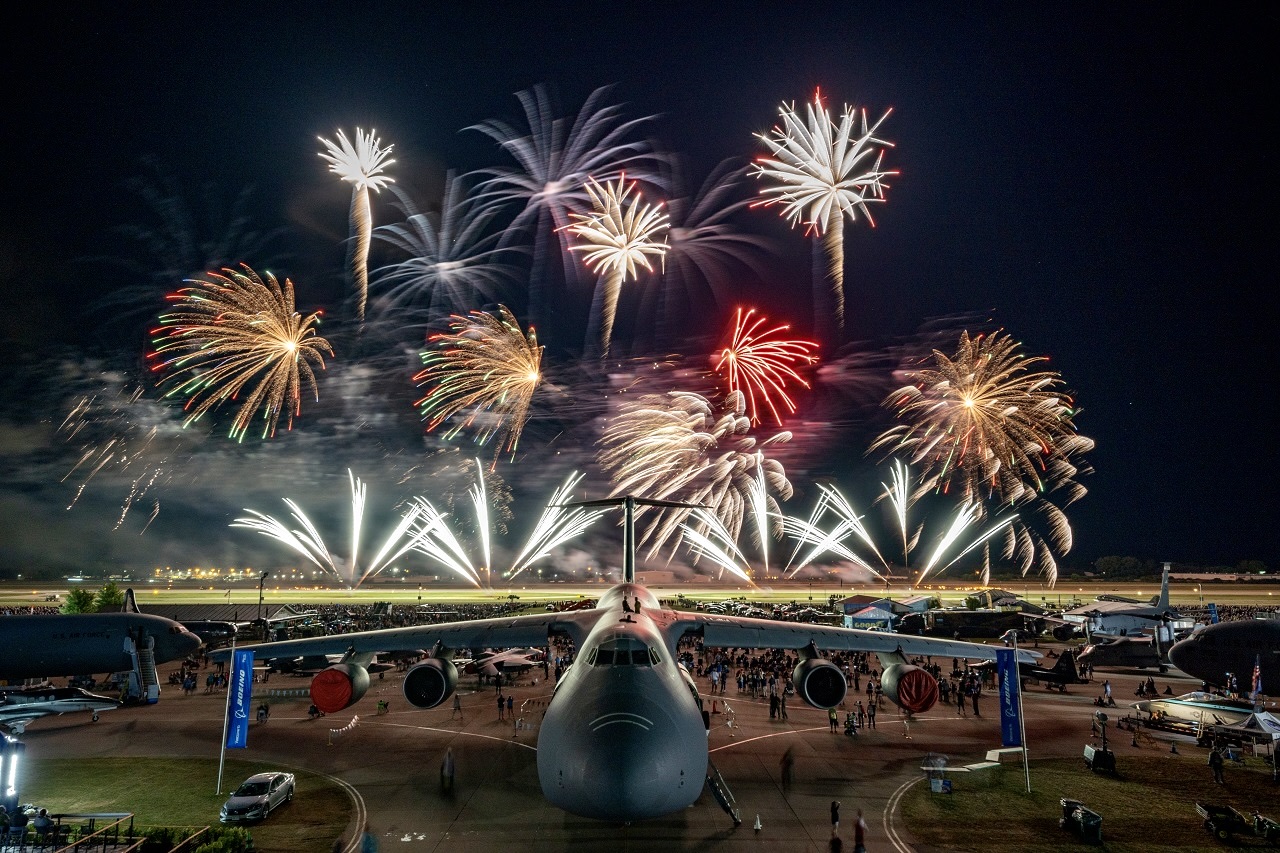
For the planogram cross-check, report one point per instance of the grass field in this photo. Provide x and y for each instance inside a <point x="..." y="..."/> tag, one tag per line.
<point x="1149" y="805"/>
<point x="318" y="814"/>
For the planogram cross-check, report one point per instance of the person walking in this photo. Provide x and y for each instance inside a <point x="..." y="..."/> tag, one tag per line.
<point x="835" y="818"/>
<point x="788" y="767"/>
<point x="1216" y="764"/>
<point x="860" y="834"/>
<point x="871" y="717"/>
<point x="832" y="718"/>
<point x="457" y="707"/>
<point x="446" y="772"/>
<point x="960" y="712"/>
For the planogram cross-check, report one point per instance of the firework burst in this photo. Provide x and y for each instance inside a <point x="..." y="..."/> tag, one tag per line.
<point x="360" y="165"/>
<point x="822" y="172"/>
<point x="759" y="364"/>
<point x="617" y="238"/>
<point x="486" y="367"/>
<point x="235" y="333"/>
<point x="451" y="262"/>
<point x="675" y="447"/>
<point x="554" y="157"/>
<point x="987" y="425"/>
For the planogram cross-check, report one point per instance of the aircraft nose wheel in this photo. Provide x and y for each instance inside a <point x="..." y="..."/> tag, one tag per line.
<point x="95" y="718"/>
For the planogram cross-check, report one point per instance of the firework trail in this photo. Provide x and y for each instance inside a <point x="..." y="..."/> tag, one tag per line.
<point x="361" y="166"/>
<point x="951" y="546"/>
<point x="308" y="542"/>
<point x="451" y="260"/>
<point x="674" y="447"/>
<point x="709" y="538"/>
<point x="486" y="367"/>
<point x="988" y="426"/>
<point x="557" y="525"/>
<point x="760" y="365"/>
<point x="230" y="331"/>
<point x="820" y="173"/>
<point x="554" y="157"/>
<point x="616" y="238"/>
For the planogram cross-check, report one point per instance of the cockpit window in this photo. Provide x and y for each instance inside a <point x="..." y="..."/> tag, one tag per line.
<point x="624" y="651"/>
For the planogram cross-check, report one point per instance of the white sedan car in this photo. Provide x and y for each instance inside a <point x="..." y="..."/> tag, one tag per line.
<point x="257" y="797"/>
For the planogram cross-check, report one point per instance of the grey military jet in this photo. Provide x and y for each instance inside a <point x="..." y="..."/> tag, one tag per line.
<point x="18" y="708"/>
<point x="624" y="737"/>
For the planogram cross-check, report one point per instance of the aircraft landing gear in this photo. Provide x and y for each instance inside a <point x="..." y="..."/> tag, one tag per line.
<point x="722" y="793"/>
<point x="95" y="717"/>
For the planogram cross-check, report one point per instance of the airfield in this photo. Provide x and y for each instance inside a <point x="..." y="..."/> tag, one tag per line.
<point x="390" y="763"/>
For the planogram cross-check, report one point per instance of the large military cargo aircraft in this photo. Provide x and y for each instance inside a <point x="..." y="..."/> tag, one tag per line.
<point x="624" y="737"/>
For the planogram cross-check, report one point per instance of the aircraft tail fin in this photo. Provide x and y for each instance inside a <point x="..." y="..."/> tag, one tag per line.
<point x="130" y="603"/>
<point x="1066" y="662"/>
<point x="1163" y="602"/>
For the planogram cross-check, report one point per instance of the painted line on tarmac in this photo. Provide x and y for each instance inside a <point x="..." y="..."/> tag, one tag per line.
<point x="361" y="813"/>
<point x="511" y="740"/>
<point x="890" y="808"/>
<point x="765" y="737"/>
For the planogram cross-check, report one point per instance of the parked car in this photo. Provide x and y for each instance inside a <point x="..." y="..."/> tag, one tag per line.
<point x="257" y="797"/>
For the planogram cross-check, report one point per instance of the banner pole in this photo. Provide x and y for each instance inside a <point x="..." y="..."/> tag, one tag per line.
<point x="226" y="720"/>
<point x="1022" y="728"/>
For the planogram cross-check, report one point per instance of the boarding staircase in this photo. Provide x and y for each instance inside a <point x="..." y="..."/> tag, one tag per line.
<point x="144" y="681"/>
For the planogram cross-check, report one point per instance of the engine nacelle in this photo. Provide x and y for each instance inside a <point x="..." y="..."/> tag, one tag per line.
<point x="819" y="682"/>
<point x="430" y="682"/>
<point x="340" y="686"/>
<point x="909" y="687"/>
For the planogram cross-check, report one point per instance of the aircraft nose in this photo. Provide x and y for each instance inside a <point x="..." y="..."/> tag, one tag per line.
<point x="1182" y="655"/>
<point x="625" y="764"/>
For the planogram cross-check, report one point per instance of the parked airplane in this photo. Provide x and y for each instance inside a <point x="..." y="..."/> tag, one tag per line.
<point x="624" y="737"/>
<point x="1136" y="652"/>
<point x="18" y="708"/>
<point x="509" y="661"/>
<point x="1056" y="677"/>
<point x="1119" y="618"/>
<point x="88" y="643"/>
<point x="1206" y="709"/>
<point x="1215" y="652"/>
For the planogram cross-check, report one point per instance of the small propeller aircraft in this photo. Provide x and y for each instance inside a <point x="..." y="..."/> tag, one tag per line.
<point x="624" y="737"/>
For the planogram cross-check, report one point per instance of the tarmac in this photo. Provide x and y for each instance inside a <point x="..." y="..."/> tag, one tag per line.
<point x="390" y="763"/>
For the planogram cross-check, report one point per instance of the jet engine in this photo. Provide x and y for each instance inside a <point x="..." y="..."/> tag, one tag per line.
<point x="340" y="686"/>
<point x="909" y="687"/>
<point x="819" y="682"/>
<point x="430" y="682"/>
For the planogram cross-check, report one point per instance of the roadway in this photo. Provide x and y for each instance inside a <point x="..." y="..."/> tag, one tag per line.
<point x="392" y="763"/>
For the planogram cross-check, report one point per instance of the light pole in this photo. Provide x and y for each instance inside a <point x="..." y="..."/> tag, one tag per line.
<point x="262" y="580"/>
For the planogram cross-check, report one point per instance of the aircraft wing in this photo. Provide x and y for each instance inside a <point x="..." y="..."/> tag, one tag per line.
<point x="503" y="632"/>
<point x="747" y="633"/>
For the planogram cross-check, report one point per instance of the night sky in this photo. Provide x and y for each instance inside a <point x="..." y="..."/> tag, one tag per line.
<point x="1096" y="179"/>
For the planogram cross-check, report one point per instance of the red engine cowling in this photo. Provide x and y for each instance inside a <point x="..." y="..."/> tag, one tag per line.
<point x="340" y="686"/>
<point x="909" y="687"/>
<point x="819" y="683"/>
<point x="430" y="682"/>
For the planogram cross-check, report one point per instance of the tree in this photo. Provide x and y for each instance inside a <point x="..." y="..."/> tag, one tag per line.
<point x="109" y="597"/>
<point x="79" y="600"/>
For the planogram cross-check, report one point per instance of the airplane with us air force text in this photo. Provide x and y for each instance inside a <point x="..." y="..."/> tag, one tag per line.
<point x="624" y="737"/>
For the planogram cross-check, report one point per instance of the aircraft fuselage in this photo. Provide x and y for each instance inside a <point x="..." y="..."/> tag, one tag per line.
<point x="85" y="644"/>
<point x="623" y="738"/>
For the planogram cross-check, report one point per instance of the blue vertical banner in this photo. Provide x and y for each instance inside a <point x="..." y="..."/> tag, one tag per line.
<point x="240" y="697"/>
<point x="1007" y="677"/>
<point x="1213" y="613"/>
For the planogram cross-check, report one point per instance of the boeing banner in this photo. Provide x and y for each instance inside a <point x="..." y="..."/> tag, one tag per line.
<point x="1213" y="613"/>
<point x="240" y="696"/>
<point x="1007" y="676"/>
